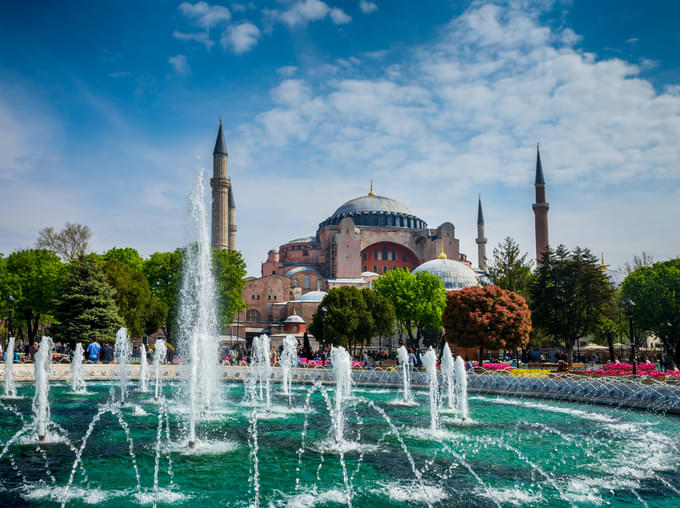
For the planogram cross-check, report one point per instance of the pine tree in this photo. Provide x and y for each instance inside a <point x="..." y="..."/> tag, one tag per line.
<point x="86" y="309"/>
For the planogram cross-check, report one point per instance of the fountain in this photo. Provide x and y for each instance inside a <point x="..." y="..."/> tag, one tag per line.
<point x="402" y="356"/>
<point x="122" y="352"/>
<point x="143" y="367"/>
<point x="197" y="313"/>
<point x="447" y="375"/>
<point x="342" y="370"/>
<point x="261" y="367"/>
<point x="288" y="361"/>
<point x="159" y="352"/>
<point x="461" y="395"/>
<point x="430" y="361"/>
<point x="10" y="385"/>
<point x="41" y="403"/>
<point x="77" y="380"/>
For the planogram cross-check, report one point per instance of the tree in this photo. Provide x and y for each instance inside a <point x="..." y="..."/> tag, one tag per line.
<point x="509" y="269"/>
<point x="86" y="309"/>
<point x="609" y="328"/>
<point x="126" y="255"/>
<point x="32" y="277"/>
<point x="69" y="243"/>
<point x="163" y="270"/>
<point x="347" y="319"/>
<point x="487" y="317"/>
<point x="656" y="292"/>
<point x="418" y="300"/>
<point x="640" y="261"/>
<point x="382" y="312"/>
<point x="569" y="294"/>
<point x="229" y="271"/>
<point x="141" y="311"/>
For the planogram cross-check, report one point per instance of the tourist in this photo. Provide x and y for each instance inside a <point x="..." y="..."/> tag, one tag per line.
<point x="93" y="352"/>
<point x="106" y="353"/>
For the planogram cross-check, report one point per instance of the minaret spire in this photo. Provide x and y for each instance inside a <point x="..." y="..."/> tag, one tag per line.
<point x="481" y="239"/>
<point x="540" y="207"/>
<point x="221" y="190"/>
<point x="371" y="192"/>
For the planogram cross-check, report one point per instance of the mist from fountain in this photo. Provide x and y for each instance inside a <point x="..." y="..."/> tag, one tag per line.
<point x="160" y="350"/>
<point x="430" y="362"/>
<point x="41" y="403"/>
<point x="342" y="370"/>
<point x="261" y="368"/>
<point x="122" y="352"/>
<point x="77" y="380"/>
<point x="402" y="356"/>
<point x="288" y="361"/>
<point x="10" y="384"/>
<point x="197" y="313"/>
<point x="143" y="370"/>
<point x="461" y="389"/>
<point x="447" y="376"/>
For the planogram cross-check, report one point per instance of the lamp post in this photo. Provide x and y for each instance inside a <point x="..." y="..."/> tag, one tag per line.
<point x="629" y="305"/>
<point x="11" y="300"/>
<point x="324" y="311"/>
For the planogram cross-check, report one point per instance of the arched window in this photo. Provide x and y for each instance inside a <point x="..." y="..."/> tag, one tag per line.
<point x="384" y="268"/>
<point x="319" y="284"/>
<point x="384" y="253"/>
<point x="306" y="281"/>
<point x="365" y="268"/>
<point x="295" y="283"/>
<point x="252" y="315"/>
<point x="365" y="256"/>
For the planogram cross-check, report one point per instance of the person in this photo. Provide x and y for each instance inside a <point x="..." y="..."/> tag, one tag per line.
<point x="106" y="353"/>
<point x="93" y="352"/>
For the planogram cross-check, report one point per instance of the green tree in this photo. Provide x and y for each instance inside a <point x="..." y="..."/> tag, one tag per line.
<point x="418" y="300"/>
<point x="141" y="311"/>
<point x="656" y="292"/>
<point x="32" y="277"/>
<point x="569" y="295"/>
<point x="510" y="269"/>
<point x="86" y="309"/>
<point x="126" y="255"/>
<point x="347" y="319"/>
<point x="382" y="314"/>
<point x="229" y="270"/>
<point x="488" y="318"/>
<point x="69" y="243"/>
<point x="163" y="271"/>
<point x="609" y="329"/>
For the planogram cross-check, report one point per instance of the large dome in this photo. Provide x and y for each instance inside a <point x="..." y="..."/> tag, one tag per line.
<point x="375" y="210"/>
<point x="454" y="274"/>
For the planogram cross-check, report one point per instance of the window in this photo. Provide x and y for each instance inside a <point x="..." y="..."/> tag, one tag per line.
<point x="306" y="282"/>
<point x="364" y="268"/>
<point x="305" y="252"/>
<point x="394" y="255"/>
<point x="375" y="269"/>
<point x="253" y="297"/>
<point x="258" y="297"/>
<point x="252" y="315"/>
<point x="364" y="256"/>
<point x="384" y="253"/>
<point x="295" y="283"/>
<point x="394" y="267"/>
<point x="375" y="254"/>
<point x="405" y="258"/>
<point x="269" y="297"/>
<point x="274" y="297"/>
<point x="319" y="284"/>
<point x="384" y="268"/>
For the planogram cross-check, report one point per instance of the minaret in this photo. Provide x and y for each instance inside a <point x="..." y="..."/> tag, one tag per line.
<point x="220" y="194"/>
<point x="481" y="239"/>
<point x="540" y="209"/>
<point x="232" y="220"/>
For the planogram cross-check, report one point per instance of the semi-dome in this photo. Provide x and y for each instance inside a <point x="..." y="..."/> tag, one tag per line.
<point x="294" y="318"/>
<point x="312" y="296"/>
<point x="372" y="210"/>
<point x="454" y="274"/>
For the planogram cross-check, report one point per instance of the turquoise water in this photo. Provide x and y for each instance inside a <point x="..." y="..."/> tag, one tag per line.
<point x="516" y="452"/>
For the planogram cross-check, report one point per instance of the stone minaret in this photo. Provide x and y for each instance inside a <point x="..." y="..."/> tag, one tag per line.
<point x="540" y="209"/>
<point x="232" y="220"/>
<point x="481" y="239"/>
<point x="220" y="184"/>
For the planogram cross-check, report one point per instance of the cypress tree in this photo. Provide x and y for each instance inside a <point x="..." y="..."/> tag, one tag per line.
<point x="86" y="309"/>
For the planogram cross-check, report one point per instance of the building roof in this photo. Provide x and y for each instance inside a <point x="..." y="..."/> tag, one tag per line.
<point x="454" y="274"/>
<point x="539" y="167"/>
<point x="299" y="269"/>
<point x="294" y="318"/>
<point x="220" y="145"/>
<point x="312" y="296"/>
<point x="304" y="239"/>
<point x="480" y="215"/>
<point x="232" y="203"/>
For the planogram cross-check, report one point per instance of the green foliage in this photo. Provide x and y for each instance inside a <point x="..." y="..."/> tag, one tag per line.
<point x="382" y="312"/>
<point x="126" y="255"/>
<point x="86" y="309"/>
<point x="569" y="295"/>
<point x="141" y="311"/>
<point x="229" y="270"/>
<point x="163" y="271"/>
<point x="509" y="269"/>
<point x="32" y="277"/>
<point x="656" y="292"/>
<point x="488" y="317"/>
<point x="418" y="300"/>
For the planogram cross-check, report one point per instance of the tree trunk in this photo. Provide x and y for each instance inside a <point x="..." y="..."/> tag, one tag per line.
<point x="481" y="357"/>
<point x="570" y="354"/>
<point x="610" y="345"/>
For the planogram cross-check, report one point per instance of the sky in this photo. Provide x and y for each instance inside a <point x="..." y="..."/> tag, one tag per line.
<point x="109" y="111"/>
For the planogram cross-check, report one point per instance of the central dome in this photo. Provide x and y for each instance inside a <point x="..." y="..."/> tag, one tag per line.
<point x="377" y="211"/>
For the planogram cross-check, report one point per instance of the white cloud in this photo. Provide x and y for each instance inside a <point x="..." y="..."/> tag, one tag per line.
<point x="200" y="37"/>
<point x="339" y="17"/>
<point x="367" y="6"/>
<point x="286" y="71"/>
<point x="304" y="11"/>
<point x="241" y="38"/>
<point x="205" y="15"/>
<point x="179" y="64"/>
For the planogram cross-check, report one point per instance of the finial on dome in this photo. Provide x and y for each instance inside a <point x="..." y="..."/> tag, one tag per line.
<point x="442" y="254"/>
<point x="603" y="266"/>
<point x="371" y="193"/>
<point x="294" y="312"/>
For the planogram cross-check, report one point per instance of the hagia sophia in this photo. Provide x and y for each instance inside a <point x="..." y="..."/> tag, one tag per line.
<point x="363" y="238"/>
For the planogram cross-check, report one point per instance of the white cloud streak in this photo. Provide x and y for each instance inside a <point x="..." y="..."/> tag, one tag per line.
<point x="241" y="38"/>
<point x="179" y="64"/>
<point x="367" y="6"/>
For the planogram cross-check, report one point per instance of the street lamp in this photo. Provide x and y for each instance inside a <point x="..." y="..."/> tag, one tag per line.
<point x="629" y="305"/>
<point x="324" y="311"/>
<point x="11" y="300"/>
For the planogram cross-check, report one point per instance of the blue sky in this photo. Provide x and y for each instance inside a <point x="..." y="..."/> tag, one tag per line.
<point x="108" y="110"/>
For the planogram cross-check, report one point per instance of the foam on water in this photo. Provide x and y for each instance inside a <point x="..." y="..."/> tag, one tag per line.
<point x="588" y="415"/>
<point x="411" y="492"/>
<point x="41" y="492"/>
<point x="164" y="496"/>
<point x="204" y="447"/>
<point x="513" y="496"/>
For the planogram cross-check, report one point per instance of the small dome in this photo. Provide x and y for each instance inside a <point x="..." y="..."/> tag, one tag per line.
<point x="312" y="296"/>
<point x="454" y="274"/>
<point x="615" y="277"/>
<point x="372" y="204"/>
<point x="369" y="274"/>
<point x="294" y="318"/>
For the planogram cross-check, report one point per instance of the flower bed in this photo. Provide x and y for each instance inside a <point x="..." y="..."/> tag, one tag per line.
<point x="626" y="369"/>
